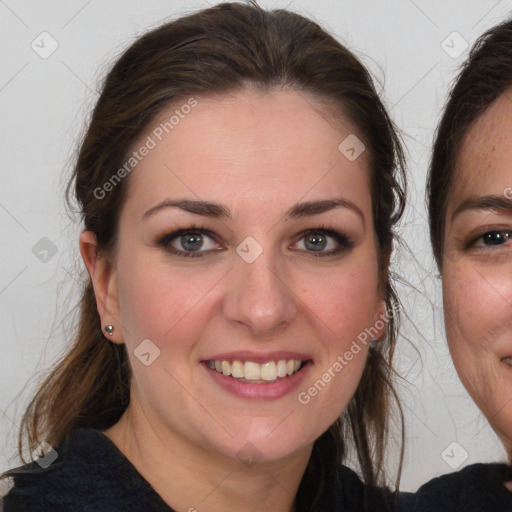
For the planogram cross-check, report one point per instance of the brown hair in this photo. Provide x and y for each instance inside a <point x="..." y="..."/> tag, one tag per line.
<point x="485" y="75"/>
<point x="214" y="51"/>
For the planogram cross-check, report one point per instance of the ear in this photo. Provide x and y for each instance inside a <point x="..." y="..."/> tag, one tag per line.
<point x="380" y="320"/>
<point x="381" y="314"/>
<point x="104" y="279"/>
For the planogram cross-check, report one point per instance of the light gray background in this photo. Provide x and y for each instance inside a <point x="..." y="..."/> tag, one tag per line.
<point x="44" y="103"/>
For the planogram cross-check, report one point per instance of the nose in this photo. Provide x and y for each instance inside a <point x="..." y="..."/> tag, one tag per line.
<point x="259" y="297"/>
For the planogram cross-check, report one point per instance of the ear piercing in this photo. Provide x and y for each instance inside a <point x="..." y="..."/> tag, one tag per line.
<point x="109" y="329"/>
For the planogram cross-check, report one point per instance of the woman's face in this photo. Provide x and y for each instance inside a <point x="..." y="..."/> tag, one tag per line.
<point x="246" y="246"/>
<point x="477" y="265"/>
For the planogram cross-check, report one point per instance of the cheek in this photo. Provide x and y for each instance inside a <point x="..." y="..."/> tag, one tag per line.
<point x="478" y="303"/>
<point x="156" y="299"/>
<point x="478" y="315"/>
<point x="346" y="304"/>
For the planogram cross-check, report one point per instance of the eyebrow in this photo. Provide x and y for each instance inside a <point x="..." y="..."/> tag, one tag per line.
<point x="217" y="210"/>
<point x="484" y="203"/>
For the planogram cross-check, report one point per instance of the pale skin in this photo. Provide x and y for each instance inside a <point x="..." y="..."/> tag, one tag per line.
<point x="477" y="266"/>
<point x="259" y="154"/>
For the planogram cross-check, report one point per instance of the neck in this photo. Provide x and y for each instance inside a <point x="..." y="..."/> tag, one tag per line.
<point x="193" y="479"/>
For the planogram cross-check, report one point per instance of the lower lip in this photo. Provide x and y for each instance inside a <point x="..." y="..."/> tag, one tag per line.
<point x="263" y="391"/>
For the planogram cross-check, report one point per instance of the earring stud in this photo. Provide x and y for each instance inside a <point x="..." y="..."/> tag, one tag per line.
<point x="109" y="329"/>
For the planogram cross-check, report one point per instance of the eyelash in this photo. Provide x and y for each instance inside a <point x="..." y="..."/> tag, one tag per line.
<point x="165" y="241"/>
<point x="472" y="243"/>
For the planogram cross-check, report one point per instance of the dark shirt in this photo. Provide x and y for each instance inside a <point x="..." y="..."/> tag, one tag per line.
<point x="91" y="474"/>
<point x="476" y="488"/>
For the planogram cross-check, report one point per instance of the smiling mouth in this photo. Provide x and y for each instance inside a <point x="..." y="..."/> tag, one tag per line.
<point x="255" y="373"/>
<point x="507" y="360"/>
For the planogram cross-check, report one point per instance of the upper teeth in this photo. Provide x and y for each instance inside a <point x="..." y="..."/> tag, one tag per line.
<point x="507" y="360"/>
<point x="250" y="370"/>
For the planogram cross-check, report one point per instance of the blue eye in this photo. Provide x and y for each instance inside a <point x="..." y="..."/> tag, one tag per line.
<point x="196" y="242"/>
<point x="316" y="241"/>
<point x="188" y="242"/>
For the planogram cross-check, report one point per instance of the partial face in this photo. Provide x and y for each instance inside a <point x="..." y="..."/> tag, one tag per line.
<point x="250" y="285"/>
<point x="477" y="266"/>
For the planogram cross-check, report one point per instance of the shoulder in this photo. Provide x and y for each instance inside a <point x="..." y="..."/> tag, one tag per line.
<point x="85" y="473"/>
<point x="476" y="488"/>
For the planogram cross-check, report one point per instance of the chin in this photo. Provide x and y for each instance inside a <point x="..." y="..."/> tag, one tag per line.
<point x="265" y="445"/>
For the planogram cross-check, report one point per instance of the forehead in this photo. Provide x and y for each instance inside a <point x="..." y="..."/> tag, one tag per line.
<point x="484" y="162"/>
<point x="269" y="143"/>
